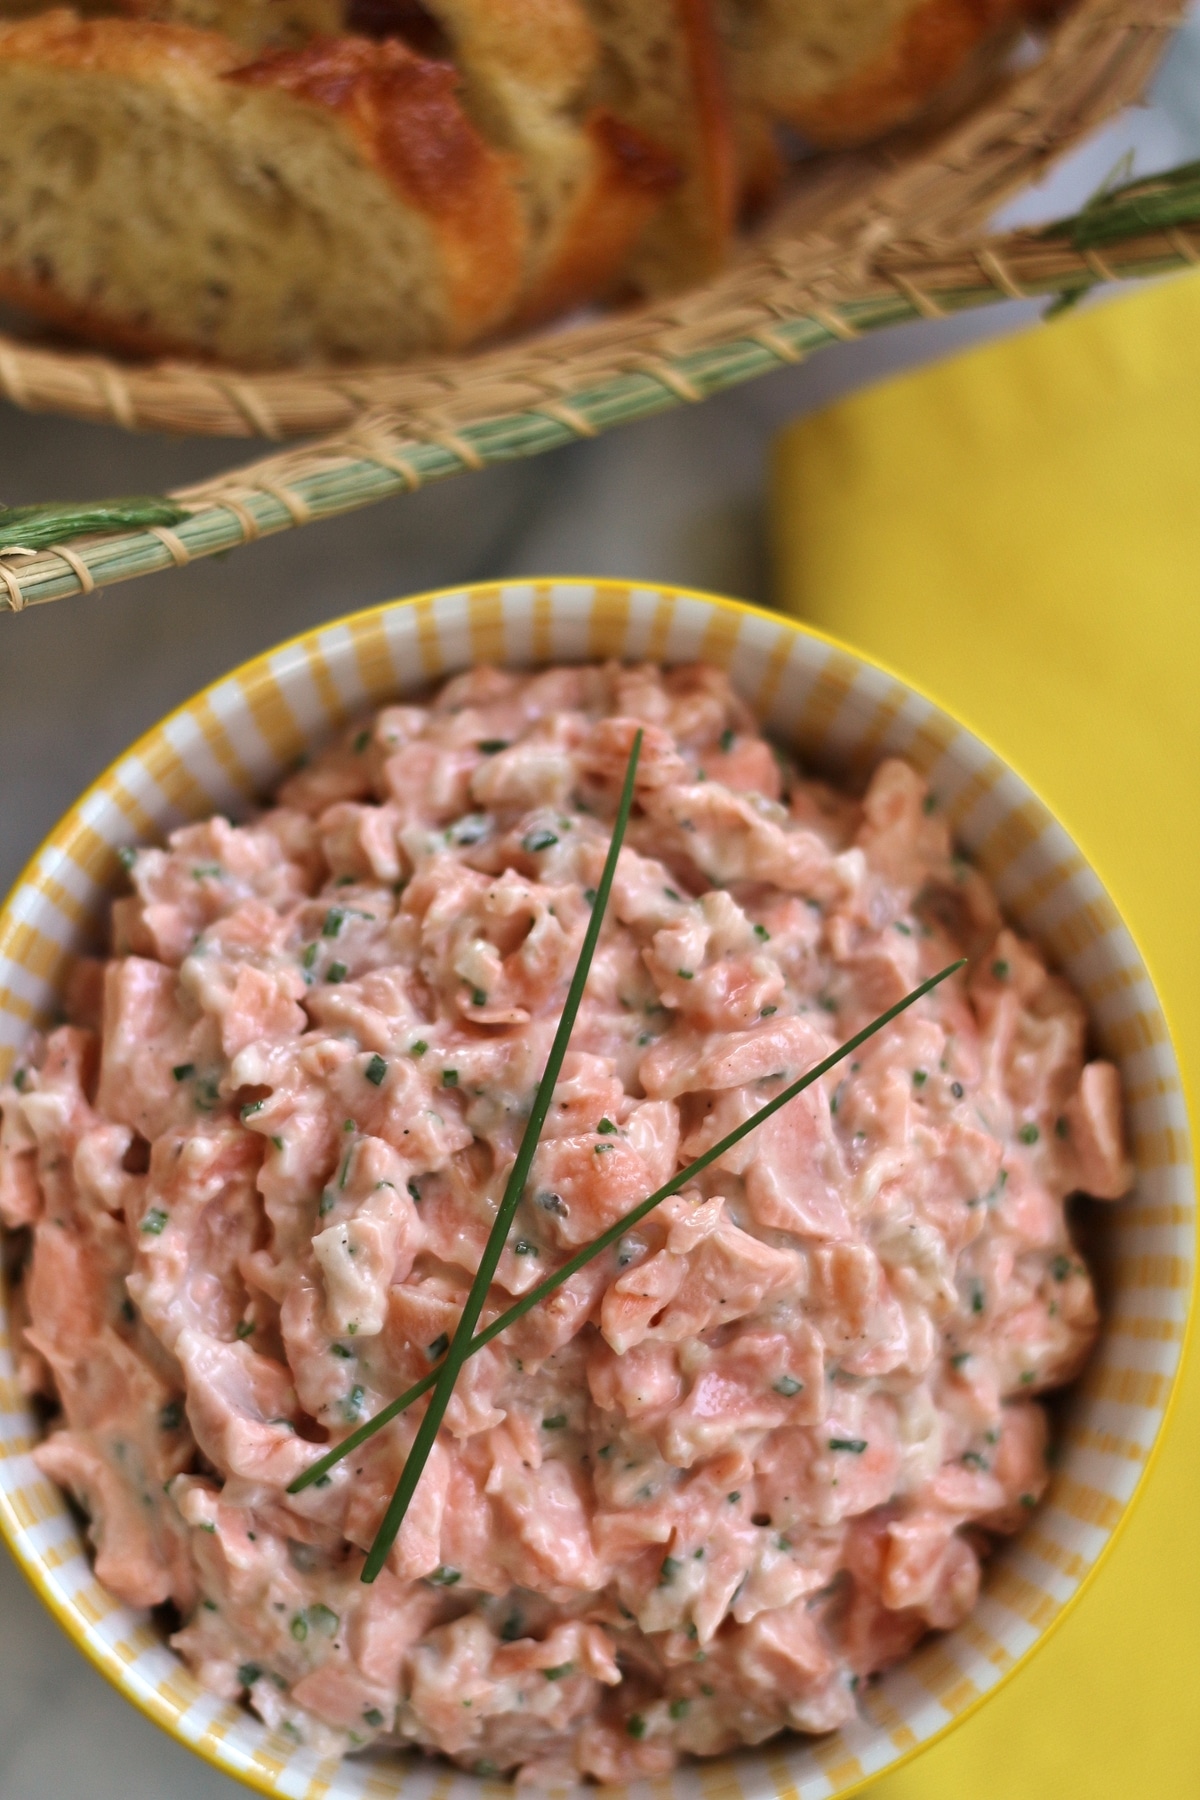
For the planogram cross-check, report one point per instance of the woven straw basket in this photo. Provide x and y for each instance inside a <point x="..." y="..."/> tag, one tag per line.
<point x="826" y="237"/>
<point x="842" y="713"/>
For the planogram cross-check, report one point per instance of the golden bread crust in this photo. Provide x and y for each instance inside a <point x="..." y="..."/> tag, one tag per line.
<point x="137" y="47"/>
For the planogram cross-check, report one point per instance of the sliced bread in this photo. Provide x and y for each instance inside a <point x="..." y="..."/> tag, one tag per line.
<point x="842" y="72"/>
<point x="590" y="180"/>
<point x="158" y="193"/>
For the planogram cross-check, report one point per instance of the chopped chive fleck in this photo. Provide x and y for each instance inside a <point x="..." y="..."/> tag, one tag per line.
<point x="171" y="1416"/>
<point x="523" y="1247"/>
<point x="419" y="1048"/>
<point x="251" y="1107"/>
<point x="478" y="997"/>
<point x="1000" y="969"/>
<point x="929" y="803"/>
<point x="278" y="1143"/>
<point x="977" y="1298"/>
<point x="764" y="1012"/>
<point x="855" y="1446"/>
<point x="372" y="1716"/>
<point x="328" y="1202"/>
<point x="245" y="1329"/>
<point x="299" y="1628"/>
<point x="1029" y="1134"/>
<point x="635" y="1725"/>
<point x="589" y="895"/>
<point x="334" y="920"/>
<point x="438" y="1348"/>
<point x="685" y="974"/>
<point x="606" y="1125"/>
<point x="557" y="1674"/>
<point x="340" y="1350"/>
<point x="1028" y="1500"/>
<point x="556" y="1422"/>
<point x="20" y="1078"/>
<point x="902" y="928"/>
<point x="154" y="1221"/>
<point x="672" y="895"/>
<point x="491" y="746"/>
<point x="678" y="1709"/>
<point x="207" y="871"/>
<point x="248" y="1674"/>
<point x="352" y="1404"/>
<point x="336" y="972"/>
<point x="668" y="1572"/>
<point x="727" y="737"/>
<point x="763" y="935"/>
<point x="127" y="856"/>
<point x="361" y="742"/>
<point x="414" y="1191"/>
<point x="181" y="1071"/>
<point x="787" y="1385"/>
<point x="920" y="1077"/>
<point x="322" y="1618"/>
<point x="1060" y="1268"/>
<point x="445" y="1577"/>
<point x="1061" y="1128"/>
<point x="973" y="1460"/>
<point x="960" y="1359"/>
<point x="734" y="1497"/>
<point x="375" y="1071"/>
<point x="449" y="1077"/>
<point x="310" y="955"/>
<point x="539" y="840"/>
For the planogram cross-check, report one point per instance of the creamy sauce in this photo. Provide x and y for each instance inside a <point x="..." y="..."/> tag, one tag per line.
<point x="733" y="1467"/>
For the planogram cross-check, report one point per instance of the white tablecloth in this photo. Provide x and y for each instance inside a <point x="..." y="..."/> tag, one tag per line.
<point x="678" y="498"/>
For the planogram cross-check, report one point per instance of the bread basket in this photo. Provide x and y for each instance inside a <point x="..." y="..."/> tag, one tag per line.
<point x="843" y="713"/>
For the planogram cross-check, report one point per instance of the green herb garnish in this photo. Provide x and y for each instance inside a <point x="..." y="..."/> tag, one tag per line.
<point x="460" y="1345"/>
<point x="617" y="1231"/>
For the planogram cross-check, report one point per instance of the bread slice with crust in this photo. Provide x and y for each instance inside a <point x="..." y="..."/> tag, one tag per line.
<point x="842" y="72"/>
<point x="663" y="74"/>
<point x="159" y="193"/>
<point x="590" y="180"/>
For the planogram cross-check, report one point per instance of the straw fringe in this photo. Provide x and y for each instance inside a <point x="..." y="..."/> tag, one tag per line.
<point x="917" y="194"/>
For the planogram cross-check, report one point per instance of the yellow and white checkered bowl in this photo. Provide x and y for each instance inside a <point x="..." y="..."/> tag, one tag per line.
<point x="842" y="713"/>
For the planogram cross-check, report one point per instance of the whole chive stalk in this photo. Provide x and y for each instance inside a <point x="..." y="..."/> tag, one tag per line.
<point x="460" y="1348"/>
<point x="615" y="1232"/>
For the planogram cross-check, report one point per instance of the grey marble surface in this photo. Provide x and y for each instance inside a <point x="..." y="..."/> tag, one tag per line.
<point x="678" y="498"/>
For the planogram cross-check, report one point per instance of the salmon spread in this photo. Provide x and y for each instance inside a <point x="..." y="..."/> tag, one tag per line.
<point x="738" y="1463"/>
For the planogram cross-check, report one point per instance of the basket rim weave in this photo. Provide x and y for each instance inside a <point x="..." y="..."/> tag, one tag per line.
<point x="908" y="195"/>
<point x="257" y="680"/>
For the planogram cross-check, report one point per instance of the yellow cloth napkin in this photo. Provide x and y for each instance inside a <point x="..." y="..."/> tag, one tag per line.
<point x="1018" y="532"/>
